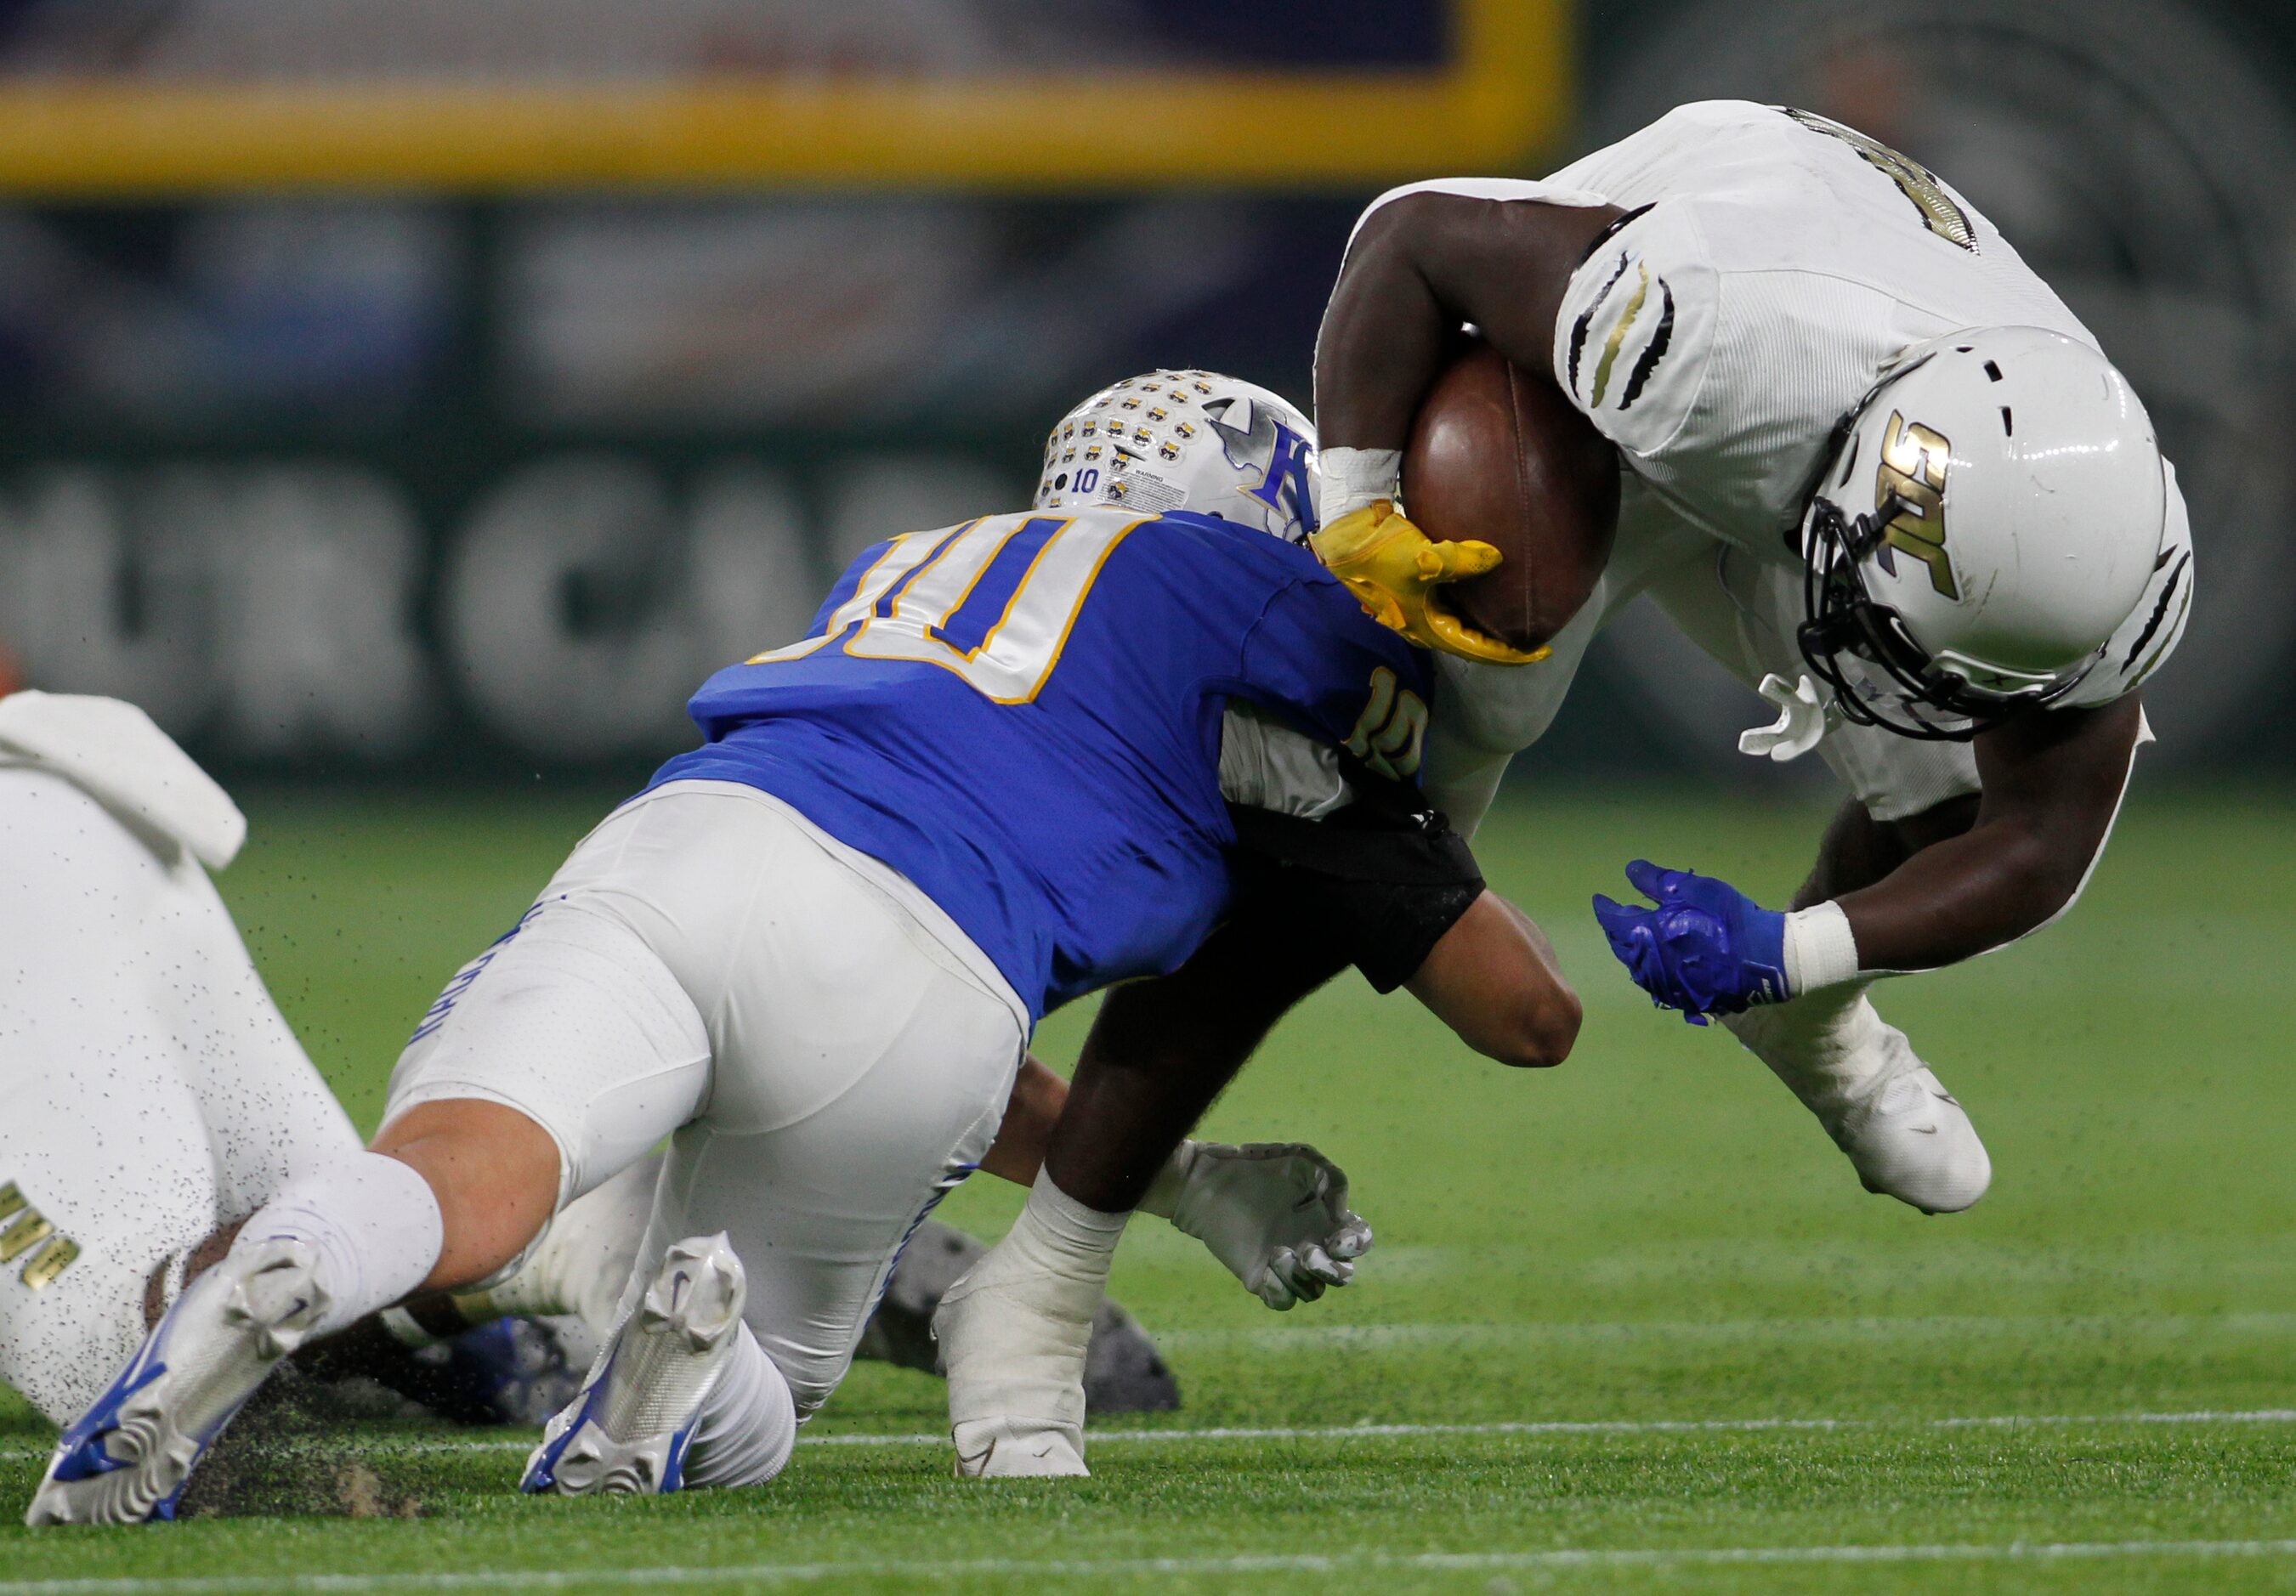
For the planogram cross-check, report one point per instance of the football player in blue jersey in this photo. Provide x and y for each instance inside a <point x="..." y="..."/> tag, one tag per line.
<point x="995" y="776"/>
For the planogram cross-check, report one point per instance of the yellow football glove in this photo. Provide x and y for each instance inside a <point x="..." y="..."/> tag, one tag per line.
<point x="1395" y="572"/>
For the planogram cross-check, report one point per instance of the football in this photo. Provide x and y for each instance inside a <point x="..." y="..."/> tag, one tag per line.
<point x="1498" y="456"/>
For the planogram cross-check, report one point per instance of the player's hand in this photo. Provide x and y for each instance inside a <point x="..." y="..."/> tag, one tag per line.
<point x="1276" y="1213"/>
<point x="1396" y="574"/>
<point x="1702" y="948"/>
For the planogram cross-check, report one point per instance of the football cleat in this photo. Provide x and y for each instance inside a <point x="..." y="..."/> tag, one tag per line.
<point x="627" y="1431"/>
<point x="506" y="1371"/>
<point x="1907" y="1136"/>
<point x="126" y="1459"/>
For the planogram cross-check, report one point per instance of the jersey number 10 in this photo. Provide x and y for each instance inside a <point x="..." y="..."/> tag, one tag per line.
<point x="998" y="623"/>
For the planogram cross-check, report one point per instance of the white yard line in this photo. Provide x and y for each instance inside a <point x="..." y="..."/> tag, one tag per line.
<point x="1356" y="1432"/>
<point x="1357" y="1338"/>
<point x="1559" y="1559"/>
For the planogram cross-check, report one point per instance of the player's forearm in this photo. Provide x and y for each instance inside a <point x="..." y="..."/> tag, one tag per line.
<point x="1018" y="1153"/>
<point x="1959" y="898"/>
<point x="1383" y="338"/>
<point x="2053" y="781"/>
<point x="1493" y="979"/>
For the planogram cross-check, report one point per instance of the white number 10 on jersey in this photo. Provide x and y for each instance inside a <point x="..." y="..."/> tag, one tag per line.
<point x="1002" y="633"/>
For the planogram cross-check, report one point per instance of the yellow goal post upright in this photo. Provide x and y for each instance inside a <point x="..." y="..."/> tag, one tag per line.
<point x="1503" y="96"/>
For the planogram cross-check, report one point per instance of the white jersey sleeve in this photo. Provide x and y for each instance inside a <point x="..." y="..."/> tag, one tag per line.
<point x="1634" y="336"/>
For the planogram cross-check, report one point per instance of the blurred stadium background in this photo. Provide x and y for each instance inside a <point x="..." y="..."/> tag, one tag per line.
<point x="434" y="386"/>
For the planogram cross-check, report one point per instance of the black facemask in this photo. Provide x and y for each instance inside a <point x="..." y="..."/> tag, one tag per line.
<point x="1841" y="618"/>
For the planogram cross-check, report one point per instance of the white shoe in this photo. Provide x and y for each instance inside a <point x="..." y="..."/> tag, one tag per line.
<point x="126" y="1459"/>
<point x="1913" y="1140"/>
<point x="1907" y="1136"/>
<point x="627" y="1433"/>
<point x="1016" y="1375"/>
<point x="1017" y="1449"/>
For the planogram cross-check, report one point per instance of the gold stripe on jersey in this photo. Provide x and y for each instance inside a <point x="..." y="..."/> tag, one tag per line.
<point x="1612" y="344"/>
<point x="30" y="1230"/>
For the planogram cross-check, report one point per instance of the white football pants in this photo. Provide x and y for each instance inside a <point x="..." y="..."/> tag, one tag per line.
<point x="149" y="1089"/>
<point x="829" y="1053"/>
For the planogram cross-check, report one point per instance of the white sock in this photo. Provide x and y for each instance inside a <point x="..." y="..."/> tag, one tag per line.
<point x="748" y="1425"/>
<point x="375" y="1224"/>
<point x="1072" y="1238"/>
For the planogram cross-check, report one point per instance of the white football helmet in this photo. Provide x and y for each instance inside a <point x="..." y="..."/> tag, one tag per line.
<point x="1990" y="514"/>
<point x="1186" y="440"/>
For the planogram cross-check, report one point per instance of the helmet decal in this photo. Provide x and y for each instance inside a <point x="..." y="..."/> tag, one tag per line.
<point x="1255" y="440"/>
<point x="1188" y="440"/>
<point x="1910" y="493"/>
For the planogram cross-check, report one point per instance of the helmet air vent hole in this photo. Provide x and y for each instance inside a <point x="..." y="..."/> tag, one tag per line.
<point x="2008" y="423"/>
<point x="1964" y="348"/>
<point x="1060" y="482"/>
<point x="1993" y="371"/>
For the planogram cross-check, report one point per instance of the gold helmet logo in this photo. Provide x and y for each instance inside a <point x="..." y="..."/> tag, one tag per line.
<point x="1915" y="460"/>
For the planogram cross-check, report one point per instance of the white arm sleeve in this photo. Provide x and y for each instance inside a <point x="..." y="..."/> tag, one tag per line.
<point x="1633" y="336"/>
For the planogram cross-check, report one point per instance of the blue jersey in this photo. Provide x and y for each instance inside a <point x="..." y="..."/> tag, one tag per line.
<point x="1022" y="715"/>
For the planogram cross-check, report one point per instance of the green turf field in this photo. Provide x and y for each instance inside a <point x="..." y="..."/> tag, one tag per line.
<point x="1629" y="1325"/>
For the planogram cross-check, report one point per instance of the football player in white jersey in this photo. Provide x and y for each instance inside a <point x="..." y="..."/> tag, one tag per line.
<point x="149" y="1088"/>
<point x="1875" y="467"/>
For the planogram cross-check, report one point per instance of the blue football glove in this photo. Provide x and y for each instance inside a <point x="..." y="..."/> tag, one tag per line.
<point x="1704" y="948"/>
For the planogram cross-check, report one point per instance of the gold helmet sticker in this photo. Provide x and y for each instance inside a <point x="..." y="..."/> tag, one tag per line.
<point x="1915" y="460"/>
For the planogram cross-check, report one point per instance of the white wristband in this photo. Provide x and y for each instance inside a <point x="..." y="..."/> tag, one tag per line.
<point x="1820" y="950"/>
<point x="1354" y="477"/>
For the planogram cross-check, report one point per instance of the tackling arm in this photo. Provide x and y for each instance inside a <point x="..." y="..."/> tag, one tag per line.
<point x="1018" y="1153"/>
<point x="1493" y="979"/>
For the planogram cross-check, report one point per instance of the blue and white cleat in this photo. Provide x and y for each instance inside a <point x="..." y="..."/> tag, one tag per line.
<point x="626" y="1435"/>
<point x="126" y="1460"/>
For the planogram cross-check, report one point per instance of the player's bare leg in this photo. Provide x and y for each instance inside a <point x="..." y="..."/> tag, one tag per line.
<point x="1907" y="1136"/>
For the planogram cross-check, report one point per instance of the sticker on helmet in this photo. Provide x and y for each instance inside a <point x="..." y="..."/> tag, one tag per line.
<point x="1911" y="477"/>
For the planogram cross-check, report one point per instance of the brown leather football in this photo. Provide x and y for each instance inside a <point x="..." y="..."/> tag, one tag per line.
<point x="1501" y="457"/>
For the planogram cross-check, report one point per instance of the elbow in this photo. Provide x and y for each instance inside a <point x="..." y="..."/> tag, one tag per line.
<point x="2041" y="876"/>
<point x="1396" y="220"/>
<point x="1540" y="1034"/>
